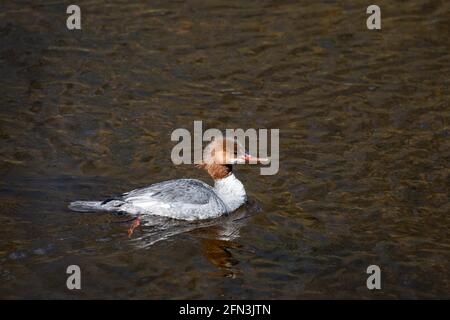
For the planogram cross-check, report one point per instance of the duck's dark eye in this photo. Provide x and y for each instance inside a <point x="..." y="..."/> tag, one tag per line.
<point x="235" y="149"/>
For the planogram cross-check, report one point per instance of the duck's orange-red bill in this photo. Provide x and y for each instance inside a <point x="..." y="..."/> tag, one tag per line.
<point x="249" y="158"/>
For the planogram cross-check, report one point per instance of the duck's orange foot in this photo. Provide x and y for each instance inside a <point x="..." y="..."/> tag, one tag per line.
<point x="136" y="223"/>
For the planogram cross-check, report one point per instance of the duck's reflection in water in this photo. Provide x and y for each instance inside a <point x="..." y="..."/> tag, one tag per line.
<point x="218" y="252"/>
<point x="217" y="237"/>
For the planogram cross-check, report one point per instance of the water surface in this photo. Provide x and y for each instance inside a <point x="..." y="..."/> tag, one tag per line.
<point x="364" y="137"/>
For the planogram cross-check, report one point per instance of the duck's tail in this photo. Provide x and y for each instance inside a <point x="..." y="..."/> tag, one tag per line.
<point x="87" y="206"/>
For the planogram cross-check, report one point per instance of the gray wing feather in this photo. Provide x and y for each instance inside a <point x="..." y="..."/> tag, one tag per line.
<point x="181" y="190"/>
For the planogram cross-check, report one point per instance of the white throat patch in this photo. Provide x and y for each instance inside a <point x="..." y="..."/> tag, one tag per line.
<point x="231" y="191"/>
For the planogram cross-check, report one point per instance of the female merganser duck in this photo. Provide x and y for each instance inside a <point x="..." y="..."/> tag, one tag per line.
<point x="186" y="199"/>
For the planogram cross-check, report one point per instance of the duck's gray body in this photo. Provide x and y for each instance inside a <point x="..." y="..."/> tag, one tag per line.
<point x="185" y="199"/>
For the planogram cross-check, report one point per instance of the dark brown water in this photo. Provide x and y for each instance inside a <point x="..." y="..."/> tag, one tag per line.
<point x="364" y="137"/>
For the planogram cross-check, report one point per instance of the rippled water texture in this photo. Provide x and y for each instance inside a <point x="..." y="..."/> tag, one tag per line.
<point x="364" y="137"/>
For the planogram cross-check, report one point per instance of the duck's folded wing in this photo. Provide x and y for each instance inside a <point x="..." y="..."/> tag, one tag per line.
<point x="183" y="190"/>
